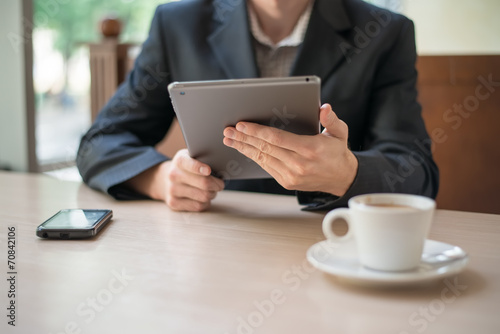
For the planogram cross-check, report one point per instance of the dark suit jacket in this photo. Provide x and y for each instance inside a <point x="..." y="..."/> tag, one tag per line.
<point x="365" y="57"/>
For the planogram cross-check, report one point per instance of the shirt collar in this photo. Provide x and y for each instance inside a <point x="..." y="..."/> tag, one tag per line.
<point x="294" y="39"/>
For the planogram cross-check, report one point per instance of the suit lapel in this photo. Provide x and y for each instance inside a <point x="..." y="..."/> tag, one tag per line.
<point x="324" y="48"/>
<point x="231" y="39"/>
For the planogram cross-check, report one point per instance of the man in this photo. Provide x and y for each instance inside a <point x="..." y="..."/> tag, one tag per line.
<point x="375" y="141"/>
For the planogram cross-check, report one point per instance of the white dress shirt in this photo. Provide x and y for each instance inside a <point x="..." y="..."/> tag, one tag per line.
<point x="276" y="60"/>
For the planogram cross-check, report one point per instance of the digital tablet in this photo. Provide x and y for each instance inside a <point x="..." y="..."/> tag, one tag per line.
<point x="205" y="108"/>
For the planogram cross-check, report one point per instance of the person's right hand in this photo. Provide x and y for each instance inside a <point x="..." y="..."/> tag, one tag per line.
<point x="183" y="183"/>
<point x="189" y="185"/>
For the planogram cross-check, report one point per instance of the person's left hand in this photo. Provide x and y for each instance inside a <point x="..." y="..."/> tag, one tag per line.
<point x="321" y="162"/>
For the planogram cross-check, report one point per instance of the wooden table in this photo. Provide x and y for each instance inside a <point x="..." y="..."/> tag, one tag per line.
<point x="239" y="268"/>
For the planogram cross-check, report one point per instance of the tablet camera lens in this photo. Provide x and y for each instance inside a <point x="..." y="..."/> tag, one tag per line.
<point x="183" y="93"/>
<point x="307" y="79"/>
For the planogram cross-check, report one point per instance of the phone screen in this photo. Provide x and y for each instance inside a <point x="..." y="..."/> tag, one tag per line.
<point x="74" y="223"/>
<point x="74" y="219"/>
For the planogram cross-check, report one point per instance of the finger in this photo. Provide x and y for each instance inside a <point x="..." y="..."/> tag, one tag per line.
<point x="186" y="204"/>
<point x="268" y="162"/>
<point x="332" y="124"/>
<point x="189" y="192"/>
<point x="206" y="183"/>
<point x="185" y="162"/>
<point x="256" y="147"/>
<point x="295" y="145"/>
<point x="273" y="136"/>
<point x="195" y="173"/>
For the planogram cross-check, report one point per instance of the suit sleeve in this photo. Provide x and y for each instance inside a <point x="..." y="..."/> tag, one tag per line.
<point x="397" y="153"/>
<point x="120" y="143"/>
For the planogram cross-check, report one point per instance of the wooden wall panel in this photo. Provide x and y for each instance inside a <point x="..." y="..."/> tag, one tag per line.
<point x="462" y="110"/>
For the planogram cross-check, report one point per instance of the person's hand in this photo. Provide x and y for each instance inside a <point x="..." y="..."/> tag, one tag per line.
<point x="189" y="186"/>
<point x="309" y="163"/>
<point x="183" y="183"/>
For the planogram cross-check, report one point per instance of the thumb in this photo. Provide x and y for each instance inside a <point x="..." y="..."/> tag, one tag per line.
<point x="334" y="126"/>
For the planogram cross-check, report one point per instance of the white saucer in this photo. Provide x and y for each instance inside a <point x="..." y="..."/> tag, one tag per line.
<point x="341" y="260"/>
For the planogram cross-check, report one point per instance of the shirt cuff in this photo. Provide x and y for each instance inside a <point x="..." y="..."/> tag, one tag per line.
<point x="320" y="201"/>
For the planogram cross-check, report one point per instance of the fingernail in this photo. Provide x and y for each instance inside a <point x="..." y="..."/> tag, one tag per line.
<point x="241" y="127"/>
<point x="228" y="142"/>
<point x="204" y="170"/>
<point x="229" y="133"/>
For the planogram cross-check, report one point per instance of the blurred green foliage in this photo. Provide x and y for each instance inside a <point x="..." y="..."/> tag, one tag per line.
<point x="77" y="21"/>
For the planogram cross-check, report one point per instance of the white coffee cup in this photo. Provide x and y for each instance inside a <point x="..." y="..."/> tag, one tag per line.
<point x="389" y="229"/>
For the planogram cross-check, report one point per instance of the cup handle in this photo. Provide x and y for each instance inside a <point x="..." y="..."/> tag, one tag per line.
<point x="342" y="213"/>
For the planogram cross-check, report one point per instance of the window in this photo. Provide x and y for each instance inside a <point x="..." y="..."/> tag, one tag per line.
<point x="61" y="32"/>
<point x="394" y="5"/>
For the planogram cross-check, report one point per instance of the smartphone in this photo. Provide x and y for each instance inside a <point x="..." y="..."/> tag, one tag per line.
<point x="74" y="224"/>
